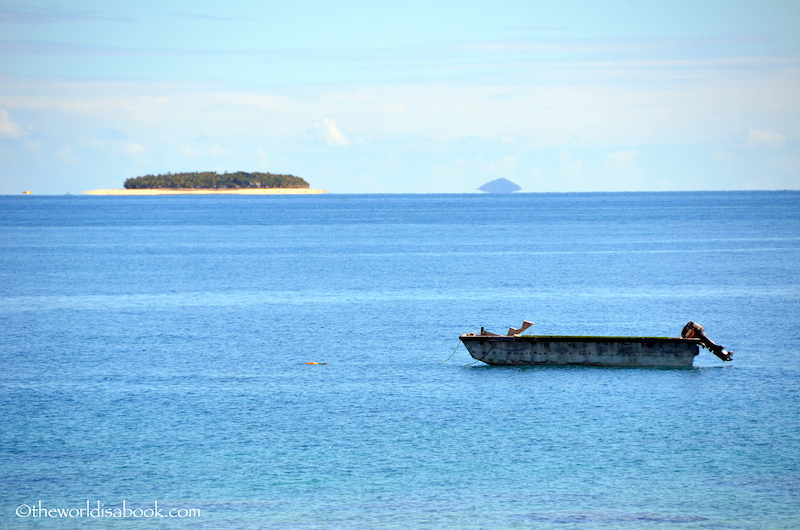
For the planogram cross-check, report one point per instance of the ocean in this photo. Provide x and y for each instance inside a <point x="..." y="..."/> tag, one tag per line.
<point x="154" y="362"/>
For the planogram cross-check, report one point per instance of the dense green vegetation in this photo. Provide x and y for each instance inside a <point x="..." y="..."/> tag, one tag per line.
<point x="212" y="179"/>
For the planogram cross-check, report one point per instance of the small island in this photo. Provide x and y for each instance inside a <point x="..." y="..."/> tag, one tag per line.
<point x="212" y="183"/>
<point x="500" y="185"/>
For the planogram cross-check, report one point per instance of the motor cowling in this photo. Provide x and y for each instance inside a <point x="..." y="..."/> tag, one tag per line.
<point x="693" y="330"/>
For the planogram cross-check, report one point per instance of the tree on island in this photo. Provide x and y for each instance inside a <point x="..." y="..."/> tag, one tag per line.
<point x="211" y="180"/>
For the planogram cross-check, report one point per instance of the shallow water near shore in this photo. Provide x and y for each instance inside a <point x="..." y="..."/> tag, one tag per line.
<point x="155" y="349"/>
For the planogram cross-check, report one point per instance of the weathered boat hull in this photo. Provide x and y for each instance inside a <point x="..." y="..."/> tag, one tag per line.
<point x="589" y="351"/>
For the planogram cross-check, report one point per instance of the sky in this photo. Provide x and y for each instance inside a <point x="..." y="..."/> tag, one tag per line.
<point x="403" y="97"/>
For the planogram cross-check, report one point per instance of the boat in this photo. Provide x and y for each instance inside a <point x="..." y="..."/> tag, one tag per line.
<point x="516" y="349"/>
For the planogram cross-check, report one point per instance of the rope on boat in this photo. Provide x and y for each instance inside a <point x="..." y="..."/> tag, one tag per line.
<point x="451" y="355"/>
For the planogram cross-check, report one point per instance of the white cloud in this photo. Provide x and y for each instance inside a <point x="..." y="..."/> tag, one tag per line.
<point x="36" y="148"/>
<point x="440" y="122"/>
<point x="187" y="151"/>
<point x="765" y="137"/>
<point x="8" y="128"/>
<point x="331" y="132"/>
<point x="622" y="158"/>
<point x="263" y="159"/>
<point x="722" y="156"/>
<point x="213" y="150"/>
<point x="66" y="155"/>
<point x="134" y="148"/>
<point x="572" y="168"/>
<point x="576" y="168"/>
<point x="217" y="150"/>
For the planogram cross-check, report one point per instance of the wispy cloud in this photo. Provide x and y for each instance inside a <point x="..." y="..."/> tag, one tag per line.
<point x="538" y="29"/>
<point x="26" y="14"/>
<point x="217" y="150"/>
<point x="331" y="133"/>
<point x="8" y="128"/>
<point x="133" y="148"/>
<point x="604" y="63"/>
<point x="188" y="151"/>
<point x="539" y="116"/>
<point x="33" y="47"/>
<point x="50" y="47"/>
<point x="65" y="154"/>
<point x="722" y="156"/>
<point x="765" y="137"/>
<point x="622" y="158"/>
<point x="671" y="46"/>
<point x="211" y="18"/>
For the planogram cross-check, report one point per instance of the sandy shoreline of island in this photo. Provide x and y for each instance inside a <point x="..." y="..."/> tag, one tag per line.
<point x="204" y="191"/>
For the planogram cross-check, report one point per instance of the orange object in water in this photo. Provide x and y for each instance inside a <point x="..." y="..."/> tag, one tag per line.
<point x="316" y="363"/>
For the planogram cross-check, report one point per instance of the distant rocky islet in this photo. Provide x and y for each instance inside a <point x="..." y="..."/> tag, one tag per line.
<point x="500" y="185"/>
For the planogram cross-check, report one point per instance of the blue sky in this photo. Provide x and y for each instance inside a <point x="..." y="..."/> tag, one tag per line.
<point x="414" y="97"/>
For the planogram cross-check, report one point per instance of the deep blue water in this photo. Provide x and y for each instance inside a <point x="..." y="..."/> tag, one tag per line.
<point x="155" y="349"/>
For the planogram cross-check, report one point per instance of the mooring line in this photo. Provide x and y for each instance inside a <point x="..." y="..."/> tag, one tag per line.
<point x="451" y="355"/>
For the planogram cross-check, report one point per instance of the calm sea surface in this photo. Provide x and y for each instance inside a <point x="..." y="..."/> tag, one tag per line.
<point x="154" y="349"/>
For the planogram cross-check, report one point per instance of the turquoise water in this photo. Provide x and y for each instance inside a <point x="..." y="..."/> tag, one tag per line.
<point x="155" y="349"/>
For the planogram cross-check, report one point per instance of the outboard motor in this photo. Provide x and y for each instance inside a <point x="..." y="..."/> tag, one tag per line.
<point x="695" y="330"/>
